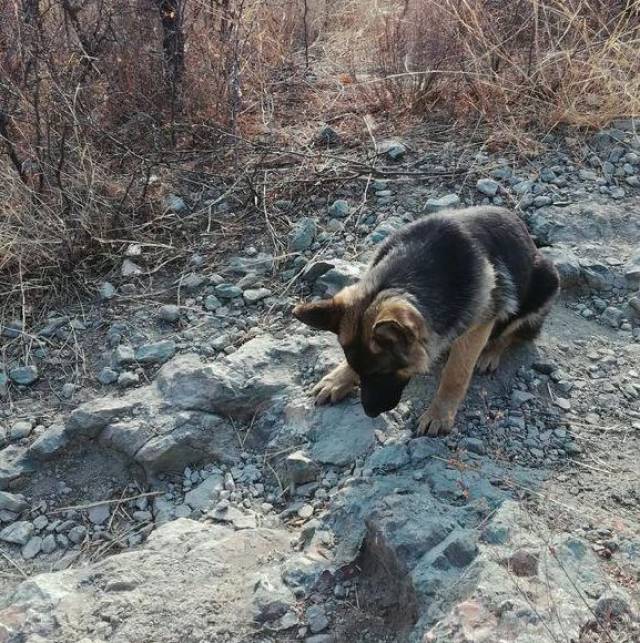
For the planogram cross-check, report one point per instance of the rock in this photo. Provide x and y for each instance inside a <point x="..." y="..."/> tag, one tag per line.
<point x="305" y="511"/>
<point x="156" y="352"/>
<point x="169" y="313"/>
<point x="99" y="514"/>
<point x="107" y="291"/>
<point x="302" y="235"/>
<point x="24" y="375"/>
<point x="77" y="534"/>
<point x="127" y="379"/>
<point x="475" y="445"/>
<point x="388" y="458"/>
<point x="271" y="599"/>
<point x="597" y="275"/>
<point x="89" y="419"/>
<point x="613" y="316"/>
<point x="316" y="618"/>
<point x="50" y="443"/>
<point x="328" y="136"/>
<point x="563" y="403"/>
<point x="130" y="269"/>
<point x="12" y="330"/>
<point x="13" y="464"/>
<point x="300" y="468"/>
<point x="206" y="494"/>
<point x="315" y="269"/>
<point x="175" y="204"/>
<point x="523" y="563"/>
<point x="339" y="209"/>
<point x="12" y="502"/>
<point x="254" y="295"/>
<point x="488" y="187"/>
<point x="4" y="385"/>
<point x="191" y="282"/>
<point x="49" y="544"/>
<point x="227" y="291"/>
<point x="17" y="533"/>
<point x="343" y="433"/>
<point x="32" y="548"/>
<point x="443" y="203"/>
<point x="107" y="375"/>
<point x="320" y="638"/>
<point x="392" y="149"/>
<point x="21" y="429"/>
<point x="68" y="390"/>
<point x="632" y="271"/>
<point x="124" y="355"/>
<point x="342" y="274"/>
<point x="212" y="303"/>
<point x="236" y="385"/>
<point x="259" y="264"/>
<point x="384" y="229"/>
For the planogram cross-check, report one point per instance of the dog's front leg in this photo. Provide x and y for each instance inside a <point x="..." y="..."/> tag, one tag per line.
<point x="454" y="382"/>
<point x="339" y="383"/>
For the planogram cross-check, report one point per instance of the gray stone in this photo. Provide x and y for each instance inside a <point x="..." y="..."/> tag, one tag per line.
<point x="320" y="638"/>
<point x="127" y="379"/>
<point x="191" y="282"/>
<point x="342" y="434"/>
<point x="124" y="355"/>
<point x="613" y="316"/>
<point x="302" y="235"/>
<point x="228" y="291"/>
<point x="488" y="187"/>
<point x="77" y="534"/>
<point x="597" y="275"/>
<point x="156" y="352"/>
<point x="32" y="548"/>
<point x="342" y="274"/>
<point x="316" y="618"/>
<point x="107" y="291"/>
<point x="49" y="544"/>
<point x="384" y="229"/>
<point x="13" y="464"/>
<point x="443" y="203"/>
<point x="130" y="269"/>
<point x="327" y="136"/>
<point x="339" y="209"/>
<point x="475" y="445"/>
<point x="175" y="204"/>
<point x="12" y="330"/>
<point x="169" y="313"/>
<point x="90" y="418"/>
<point x="24" y="375"/>
<point x="523" y="562"/>
<point x="300" y="468"/>
<point x="632" y="271"/>
<point x="21" y="429"/>
<point x="389" y="458"/>
<point x="254" y="295"/>
<point x="212" y="303"/>
<point x="107" y="375"/>
<point x="259" y="264"/>
<point x="392" y="149"/>
<point x="100" y="514"/>
<point x="271" y="599"/>
<point x="12" y="502"/>
<point x="50" y="443"/>
<point x="206" y="494"/>
<point x="4" y="385"/>
<point x="40" y="522"/>
<point x="17" y="533"/>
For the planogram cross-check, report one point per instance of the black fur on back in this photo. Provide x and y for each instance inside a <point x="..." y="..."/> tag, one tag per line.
<point x="440" y="262"/>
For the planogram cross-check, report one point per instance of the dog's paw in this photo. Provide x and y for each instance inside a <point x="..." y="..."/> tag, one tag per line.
<point x="438" y="419"/>
<point x="488" y="361"/>
<point x="335" y="386"/>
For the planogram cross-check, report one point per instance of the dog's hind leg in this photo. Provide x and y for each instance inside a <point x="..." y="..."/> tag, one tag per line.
<point x="527" y="323"/>
<point x="454" y="381"/>
<point x="335" y="386"/>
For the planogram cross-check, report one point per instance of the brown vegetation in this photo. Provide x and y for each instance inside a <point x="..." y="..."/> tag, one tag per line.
<point x="98" y="96"/>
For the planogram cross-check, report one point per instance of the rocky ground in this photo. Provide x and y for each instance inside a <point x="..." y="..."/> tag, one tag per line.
<point x="165" y="476"/>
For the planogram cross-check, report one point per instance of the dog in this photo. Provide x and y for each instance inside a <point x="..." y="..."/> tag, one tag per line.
<point x="469" y="281"/>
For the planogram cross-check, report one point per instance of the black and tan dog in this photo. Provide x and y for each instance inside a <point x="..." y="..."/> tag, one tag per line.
<point x="468" y="281"/>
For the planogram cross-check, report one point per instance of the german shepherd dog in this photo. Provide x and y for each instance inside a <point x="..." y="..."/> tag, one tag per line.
<point x="469" y="281"/>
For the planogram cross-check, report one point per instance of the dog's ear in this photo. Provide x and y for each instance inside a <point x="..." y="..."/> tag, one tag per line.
<point x="322" y="315"/>
<point x="397" y="326"/>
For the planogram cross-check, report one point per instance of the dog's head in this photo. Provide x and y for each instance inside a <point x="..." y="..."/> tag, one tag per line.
<point x="383" y="341"/>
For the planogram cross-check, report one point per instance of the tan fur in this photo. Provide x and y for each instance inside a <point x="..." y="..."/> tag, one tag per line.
<point x="352" y="303"/>
<point x="454" y="381"/>
<point x="335" y="386"/>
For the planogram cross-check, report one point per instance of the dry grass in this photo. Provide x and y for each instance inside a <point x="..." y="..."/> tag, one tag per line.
<point x="92" y="102"/>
